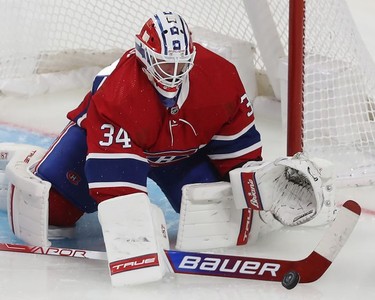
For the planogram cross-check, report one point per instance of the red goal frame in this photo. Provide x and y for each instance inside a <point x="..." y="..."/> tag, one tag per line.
<point x="295" y="76"/>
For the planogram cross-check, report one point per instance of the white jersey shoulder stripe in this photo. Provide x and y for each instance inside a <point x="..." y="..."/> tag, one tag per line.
<point x="80" y="119"/>
<point x="109" y="69"/>
<point x="96" y="185"/>
<point x="115" y="156"/>
<point x="234" y="136"/>
<point x="235" y="154"/>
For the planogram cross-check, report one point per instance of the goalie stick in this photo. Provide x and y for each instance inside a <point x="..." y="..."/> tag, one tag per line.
<point x="197" y="263"/>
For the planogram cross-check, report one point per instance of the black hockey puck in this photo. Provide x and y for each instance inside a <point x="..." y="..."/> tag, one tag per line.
<point x="290" y="280"/>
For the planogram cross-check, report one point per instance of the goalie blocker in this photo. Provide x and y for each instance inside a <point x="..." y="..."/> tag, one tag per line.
<point x="261" y="197"/>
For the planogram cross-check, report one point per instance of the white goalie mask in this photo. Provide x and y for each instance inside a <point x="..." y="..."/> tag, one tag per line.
<point x="165" y="48"/>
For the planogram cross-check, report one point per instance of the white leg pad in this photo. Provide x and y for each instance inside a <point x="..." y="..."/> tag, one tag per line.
<point x="3" y="190"/>
<point x="7" y="151"/>
<point x="209" y="218"/>
<point x="135" y="234"/>
<point x="27" y="203"/>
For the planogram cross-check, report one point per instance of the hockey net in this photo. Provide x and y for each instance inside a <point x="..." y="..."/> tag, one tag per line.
<point x="337" y="76"/>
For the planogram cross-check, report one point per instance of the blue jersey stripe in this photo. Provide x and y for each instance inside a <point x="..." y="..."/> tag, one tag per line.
<point x="97" y="82"/>
<point x="115" y="170"/>
<point x="242" y="142"/>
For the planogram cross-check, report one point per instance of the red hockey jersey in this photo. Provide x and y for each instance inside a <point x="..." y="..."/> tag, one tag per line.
<point x="129" y="130"/>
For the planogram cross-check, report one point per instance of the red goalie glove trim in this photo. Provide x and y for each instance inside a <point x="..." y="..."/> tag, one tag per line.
<point x="251" y="192"/>
<point x="133" y="263"/>
<point x="247" y="219"/>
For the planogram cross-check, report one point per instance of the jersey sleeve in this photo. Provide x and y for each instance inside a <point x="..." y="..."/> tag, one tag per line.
<point x="79" y="114"/>
<point x="238" y="141"/>
<point x="114" y="166"/>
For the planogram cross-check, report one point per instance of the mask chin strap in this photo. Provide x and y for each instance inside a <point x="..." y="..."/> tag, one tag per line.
<point x="169" y="99"/>
<point x="166" y="91"/>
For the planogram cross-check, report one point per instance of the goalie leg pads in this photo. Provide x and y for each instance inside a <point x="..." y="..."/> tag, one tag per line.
<point x="7" y="151"/>
<point x="27" y="203"/>
<point x="294" y="188"/>
<point x="135" y="235"/>
<point x="209" y="219"/>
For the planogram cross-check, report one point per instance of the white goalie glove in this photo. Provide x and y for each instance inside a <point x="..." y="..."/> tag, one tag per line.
<point x="260" y="198"/>
<point x="294" y="189"/>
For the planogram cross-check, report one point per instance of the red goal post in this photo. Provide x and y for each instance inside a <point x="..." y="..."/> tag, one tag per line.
<point x="331" y="90"/>
<point x="295" y="76"/>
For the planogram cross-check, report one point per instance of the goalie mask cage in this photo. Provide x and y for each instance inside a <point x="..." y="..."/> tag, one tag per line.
<point x="331" y="75"/>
